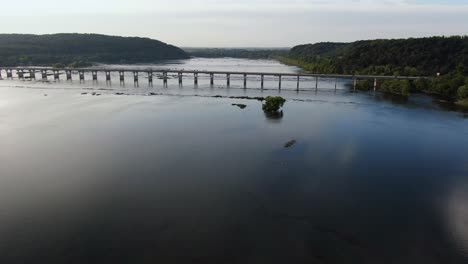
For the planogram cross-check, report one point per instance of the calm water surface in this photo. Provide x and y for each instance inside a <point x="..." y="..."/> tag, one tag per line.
<point x="179" y="178"/>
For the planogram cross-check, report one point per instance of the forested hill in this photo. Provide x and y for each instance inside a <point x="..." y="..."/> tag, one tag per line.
<point x="447" y="56"/>
<point x="416" y="56"/>
<point x="18" y="49"/>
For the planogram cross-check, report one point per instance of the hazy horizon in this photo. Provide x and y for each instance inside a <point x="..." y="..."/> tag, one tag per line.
<point x="234" y="24"/>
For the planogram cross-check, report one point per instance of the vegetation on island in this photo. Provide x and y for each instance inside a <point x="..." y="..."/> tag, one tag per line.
<point x="273" y="104"/>
<point x="444" y="56"/>
<point x="80" y="50"/>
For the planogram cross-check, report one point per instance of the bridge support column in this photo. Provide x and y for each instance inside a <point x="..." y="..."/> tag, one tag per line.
<point x="262" y="77"/>
<point x="150" y="77"/>
<point x="122" y="76"/>
<point x="211" y="78"/>
<point x="94" y="75"/>
<point x="245" y="81"/>
<point x="44" y="75"/>
<point x="32" y="74"/>
<point x="69" y="75"/>
<point x="165" y="79"/>
<point x="228" y="78"/>
<point x="180" y="76"/>
<point x="375" y="84"/>
<point x="56" y="75"/>
<point x="316" y="83"/>
<point x="20" y="74"/>
<point x="298" y="80"/>
<point x="81" y="74"/>
<point x="336" y="82"/>
<point x="355" y="83"/>
<point x="279" y="79"/>
<point x="195" y="78"/>
<point x="0" y="73"/>
<point x="9" y="73"/>
<point x="108" y="76"/>
<point x="135" y="76"/>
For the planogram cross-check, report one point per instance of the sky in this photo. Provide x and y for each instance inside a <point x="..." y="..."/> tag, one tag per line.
<point x="239" y="23"/>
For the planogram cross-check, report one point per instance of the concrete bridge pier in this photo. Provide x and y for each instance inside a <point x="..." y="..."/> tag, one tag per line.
<point x="44" y="75"/>
<point x="279" y="80"/>
<point x="56" y="75"/>
<point x="122" y="76"/>
<point x="298" y="80"/>
<point x="179" y="77"/>
<point x="150" y="77"/>
<point x="316" y="83"/>
<point x="336" y="82"/>
<point x="69" y="75"/>
<point x="195" y="78"/>
<point x="94" y="73"/>
<point x="0" y="73"/>
<point x="245" y="81"/>
<point x="135" y="76"/>
<point x="228" y="78"/>
<point x="165" y="79"/>
<point x="9" y="73"/>
<point x="375" y="84"/>
<point x="108" y="76"/>
<point x="81" y="74"/>
<point x="262" y="78"/>
<point x="20" y="74"/>
<point x="32" y="74"/>
<point x="211" y="79"/>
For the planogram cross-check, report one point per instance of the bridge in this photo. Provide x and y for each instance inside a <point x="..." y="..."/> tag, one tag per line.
<point x="45" y="72"/>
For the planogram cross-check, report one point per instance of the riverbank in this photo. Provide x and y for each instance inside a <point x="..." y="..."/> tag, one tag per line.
<point x="462" y="103"/>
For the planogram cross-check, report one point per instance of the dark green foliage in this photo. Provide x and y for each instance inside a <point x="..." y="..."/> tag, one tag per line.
<point x="407" y="57"/>
<point x="273" y="103"/>
<point x="82" y="49"/>
<point x="423" y="56"/>
<point x="422" y="85"/>
<point x="79" y="64"/>
<point x="58" y="65"/>
<point x="365" y="85"/>
<point x="236" y="53"/>
<point x="400" y="87"/>
<point x="462" y="92"/>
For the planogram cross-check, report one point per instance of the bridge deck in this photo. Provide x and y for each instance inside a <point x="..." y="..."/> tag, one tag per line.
<point x="175" y="71"/>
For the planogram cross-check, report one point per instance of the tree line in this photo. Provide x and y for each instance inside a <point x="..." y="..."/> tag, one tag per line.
<point x="82" y="49"/>
<point x="434" y="56"/>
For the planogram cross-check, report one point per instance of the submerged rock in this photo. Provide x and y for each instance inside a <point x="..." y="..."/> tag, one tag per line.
<point x="290" y="143"/>
<point x="241" y="106"/>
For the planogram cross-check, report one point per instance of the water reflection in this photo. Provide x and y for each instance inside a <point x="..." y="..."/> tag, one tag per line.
<point x="192" y="179"/>
<point x="274" y="117"/>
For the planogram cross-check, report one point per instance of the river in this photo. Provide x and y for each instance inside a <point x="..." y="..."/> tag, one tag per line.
<point x="175" y="175"/>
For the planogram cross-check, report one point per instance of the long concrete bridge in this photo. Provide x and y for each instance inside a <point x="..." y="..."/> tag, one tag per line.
<point x="45" y="72"/>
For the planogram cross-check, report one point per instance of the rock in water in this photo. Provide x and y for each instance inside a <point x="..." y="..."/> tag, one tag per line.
<point x="290" y="144"/>
<point x="241" y="106"/>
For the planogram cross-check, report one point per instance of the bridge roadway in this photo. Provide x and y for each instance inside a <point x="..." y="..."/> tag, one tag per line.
<point x="30" y="73"/>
